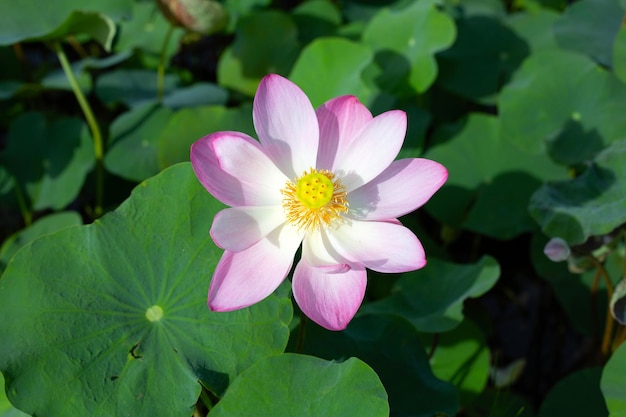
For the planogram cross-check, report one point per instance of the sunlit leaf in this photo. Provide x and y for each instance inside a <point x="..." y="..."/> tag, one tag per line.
<point x="297" y="385"/>
<point x="332" y="67"/>
<point x="265" y="42"/>
<point x="406" y="53"/>
<point x="612" y="383"/>
<point x="112" y="316"/>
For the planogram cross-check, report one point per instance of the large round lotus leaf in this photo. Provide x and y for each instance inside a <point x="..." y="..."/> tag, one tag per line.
<point x="110" y="319"/>
<point x="590" y="27"/>
<point x="432" y="298"/>
<point x="593" y="203"/>
<point x="576" y="395"/>
<point x="332" y="67"/>
<point x="483" y="57"/>
<point x="49" y="159"/>
<point x="405" y="42"/>
<point x="290" y="385"/>
<point x="42" y="226"/>
<point x="29" y="19"/>
<point x="265" y="42"/>
<point x="564" y="103"/>
<point x="612" y="383"/>
<point x="490" y="180"/>
<point x="391" y="346"/>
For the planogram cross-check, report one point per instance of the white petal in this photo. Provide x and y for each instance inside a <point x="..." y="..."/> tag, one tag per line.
<point x="235" y="170"/>
<point x="317" y="251"/>
<point x="400" y="189"/>
<point x="237" y="228"/>
<point x="381" y="246"/>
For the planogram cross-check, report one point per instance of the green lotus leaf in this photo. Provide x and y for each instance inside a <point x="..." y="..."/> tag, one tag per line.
<point x="562" y="103"/>
<point x="591" y="204"/>
<point x="432" y="298"/>
<point x="49" y="159"/>
<point x="392" y="347"/>
<point x="265" y="42"/>
<point x="110" y="319"/>
<point x="590" y="27"/>
<point x="490" y="180"/>
<point x="612" y="383"/>
<point x="41" y="227"/>
<point x="575" y="395"/>
<point x="53" y="20"/>
<point x="297" y="385"/>
<point x="331" y="67"/>
<point x="405" y="54"/>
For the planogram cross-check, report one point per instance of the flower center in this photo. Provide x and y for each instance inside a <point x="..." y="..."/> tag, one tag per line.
<point x="316" y="199"/>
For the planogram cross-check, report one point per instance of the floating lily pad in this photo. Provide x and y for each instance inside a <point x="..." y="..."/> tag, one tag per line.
<point x="405" y="54"/>
<point x="391" y="346"/>
<point x="332" y="67"/>
<point x="298" y="385"/>
<point x="432" y="298"/>
<point x="619" y="54"/>
<point x="593" y="203"/>
<point x="112" y="316"/>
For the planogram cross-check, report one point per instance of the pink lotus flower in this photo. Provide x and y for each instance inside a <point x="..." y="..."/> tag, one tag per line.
<point x="325" y="179"/>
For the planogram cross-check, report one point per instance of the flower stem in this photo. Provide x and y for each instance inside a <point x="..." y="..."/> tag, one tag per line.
<point x="161" y="67"/>
<point x="96" y="134"/>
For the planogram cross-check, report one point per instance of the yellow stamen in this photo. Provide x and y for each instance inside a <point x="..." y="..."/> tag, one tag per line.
<point x="316" y="199"/>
